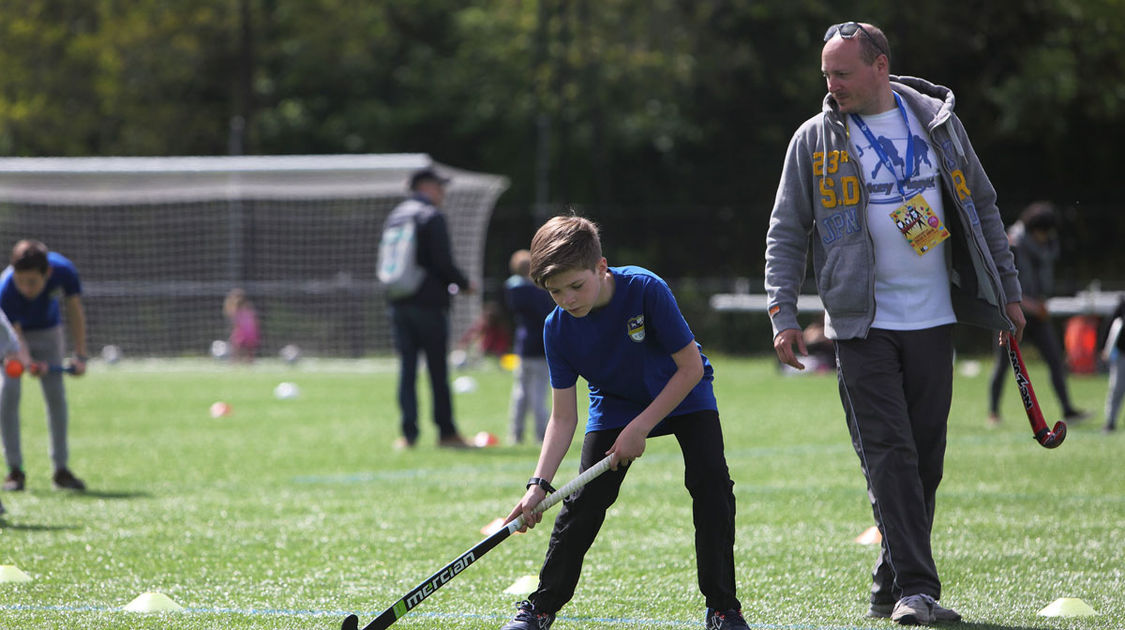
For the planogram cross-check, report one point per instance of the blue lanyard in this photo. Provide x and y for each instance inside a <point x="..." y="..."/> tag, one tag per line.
<point x="883" y="157"/>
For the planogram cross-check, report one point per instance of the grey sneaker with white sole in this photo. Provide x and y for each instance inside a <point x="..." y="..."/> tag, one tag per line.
<point x="921" y="610"/>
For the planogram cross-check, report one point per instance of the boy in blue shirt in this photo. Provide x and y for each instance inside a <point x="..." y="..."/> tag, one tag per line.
<point x="621" y="330"/>
<point x="28" y="290"/>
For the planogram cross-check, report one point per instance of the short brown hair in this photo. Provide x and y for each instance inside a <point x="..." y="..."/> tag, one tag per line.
<point x="29" y="255"/>
<point x="874" y="44"/>
<point x="520" y="262"/>
<point x="564" y="243"/>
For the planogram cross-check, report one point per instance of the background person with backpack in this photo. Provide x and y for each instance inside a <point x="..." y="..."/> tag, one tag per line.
<point x="416" y="265"/>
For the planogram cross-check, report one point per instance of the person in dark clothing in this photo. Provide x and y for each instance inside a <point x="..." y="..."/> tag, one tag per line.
<point x="421" y="318"/>
<point x="1035" y="244"/>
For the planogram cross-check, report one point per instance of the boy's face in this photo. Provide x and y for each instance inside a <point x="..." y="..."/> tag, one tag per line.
<point x="579" y="291"/>
<point x="30" y="282"/>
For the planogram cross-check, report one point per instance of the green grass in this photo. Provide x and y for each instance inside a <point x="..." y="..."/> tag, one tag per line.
<point x="292" y="513"/>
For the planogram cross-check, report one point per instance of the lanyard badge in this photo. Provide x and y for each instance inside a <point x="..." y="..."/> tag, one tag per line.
<point x="919" y="224"/>
<point x="915" y="219"/>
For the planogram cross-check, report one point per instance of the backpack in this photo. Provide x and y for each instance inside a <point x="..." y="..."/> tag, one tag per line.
<point x="397" y="266"/>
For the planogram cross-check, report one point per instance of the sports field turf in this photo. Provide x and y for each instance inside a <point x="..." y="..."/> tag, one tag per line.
<point x="293" y="513"/>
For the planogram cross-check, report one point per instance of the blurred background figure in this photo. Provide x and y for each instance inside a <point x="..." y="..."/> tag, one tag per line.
<point x="822" y="354"/>
<point x="1114" y="354"/>
<point x="421" y="316"/>
<point x="245" y="334"/>
<point x="28" y="290"/>
<point x="1035" y="244"/>
<point x="529" y="306"/>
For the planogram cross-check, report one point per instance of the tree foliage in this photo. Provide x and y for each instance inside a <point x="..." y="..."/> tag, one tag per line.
<point x="653" y="112"/>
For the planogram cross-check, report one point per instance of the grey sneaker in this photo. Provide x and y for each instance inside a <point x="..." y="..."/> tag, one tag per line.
<point x="914" y="610"/>
<point x="945" y="615"/>
<point x="921" y="610"/>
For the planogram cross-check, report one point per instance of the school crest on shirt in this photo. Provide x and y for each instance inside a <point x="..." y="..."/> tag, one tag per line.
<point x="636" y="327"/>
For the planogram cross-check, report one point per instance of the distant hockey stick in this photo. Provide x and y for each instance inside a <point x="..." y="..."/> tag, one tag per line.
<point x="451" y="570"/>
<point x="1046" y="437"/>
<point x="14" y="368"/>
<point x="39" y="369"/>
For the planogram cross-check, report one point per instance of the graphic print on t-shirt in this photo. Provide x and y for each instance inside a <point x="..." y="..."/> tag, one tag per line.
<point x="891" y="135"/>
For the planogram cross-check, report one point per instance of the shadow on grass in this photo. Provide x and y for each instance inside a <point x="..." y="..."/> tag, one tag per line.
<point x="33" y="527"/>
<point x="986" y="626"/>
<point x="111" y="494"/>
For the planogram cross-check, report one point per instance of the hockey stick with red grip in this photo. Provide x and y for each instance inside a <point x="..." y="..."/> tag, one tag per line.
<point x="1047" y="438"/>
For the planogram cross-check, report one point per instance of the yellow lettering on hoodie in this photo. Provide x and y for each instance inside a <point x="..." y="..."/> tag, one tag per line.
<point x="959" y="185"/>
<point x="850" y="186"/>
<point x="827" y="194"/>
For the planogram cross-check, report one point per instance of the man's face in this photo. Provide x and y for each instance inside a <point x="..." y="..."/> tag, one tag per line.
<point x="577" y="291"/>
<point x="30" y="283"/>
<point x="433" y="190"/>
<point x="855" y="85"/>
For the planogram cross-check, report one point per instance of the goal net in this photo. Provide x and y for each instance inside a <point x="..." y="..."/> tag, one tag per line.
<point x="159" y="242"/>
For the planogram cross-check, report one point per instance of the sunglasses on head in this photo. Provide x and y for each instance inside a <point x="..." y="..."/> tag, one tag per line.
<point x="848" y="30"/>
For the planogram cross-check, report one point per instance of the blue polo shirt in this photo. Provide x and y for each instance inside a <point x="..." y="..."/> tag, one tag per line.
<point x="43" y="310"/>
<point x="624" y="351"/>
<point x="529" y="305"/>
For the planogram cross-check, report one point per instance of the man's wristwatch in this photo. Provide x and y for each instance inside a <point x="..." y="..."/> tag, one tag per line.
<point x="542" y="483"/>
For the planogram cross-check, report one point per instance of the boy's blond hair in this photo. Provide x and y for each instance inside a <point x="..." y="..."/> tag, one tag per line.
<point x="564" y="243"/>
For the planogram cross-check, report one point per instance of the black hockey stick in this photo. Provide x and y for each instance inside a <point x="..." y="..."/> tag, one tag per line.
<point x="451" y="570"/>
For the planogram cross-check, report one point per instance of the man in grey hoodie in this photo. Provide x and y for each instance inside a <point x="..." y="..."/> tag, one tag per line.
<point x="906" y="240"/>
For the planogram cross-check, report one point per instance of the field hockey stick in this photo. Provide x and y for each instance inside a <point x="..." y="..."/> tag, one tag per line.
<point x="1046" y="437"/>
<point x="451" y="570"/>
<point x="47" y="368"/>
<point x="14" y="368"/>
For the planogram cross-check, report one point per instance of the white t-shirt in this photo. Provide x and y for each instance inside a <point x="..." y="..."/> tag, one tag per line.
<point x="911" y="291"/>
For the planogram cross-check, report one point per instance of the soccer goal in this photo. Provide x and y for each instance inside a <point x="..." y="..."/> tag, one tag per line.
<point x="160" y="241"/>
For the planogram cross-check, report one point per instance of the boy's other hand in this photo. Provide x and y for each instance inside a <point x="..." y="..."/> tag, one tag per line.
<point x="629" y="446"/>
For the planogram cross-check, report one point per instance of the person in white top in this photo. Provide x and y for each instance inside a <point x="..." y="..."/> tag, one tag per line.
<point x="884" y="188"/>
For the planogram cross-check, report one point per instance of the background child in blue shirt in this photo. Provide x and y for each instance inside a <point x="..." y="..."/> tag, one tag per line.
<point x="529" y="306"/>
<point x="28" y="297"/>
<point x="621" y="329"/>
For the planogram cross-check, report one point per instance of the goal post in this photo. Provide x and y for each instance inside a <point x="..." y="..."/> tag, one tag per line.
<point x="158" y="243"/>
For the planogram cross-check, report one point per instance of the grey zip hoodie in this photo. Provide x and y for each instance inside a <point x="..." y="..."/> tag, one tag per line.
<point x="823" y="196"/>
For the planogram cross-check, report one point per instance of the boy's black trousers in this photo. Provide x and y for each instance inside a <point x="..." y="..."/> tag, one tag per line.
<point x="707" y="480"/>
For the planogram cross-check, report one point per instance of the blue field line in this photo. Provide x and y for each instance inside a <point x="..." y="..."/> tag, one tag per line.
<point x="281" y="612"/>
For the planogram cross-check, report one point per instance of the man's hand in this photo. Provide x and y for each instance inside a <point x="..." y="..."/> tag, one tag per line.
<point x="783" y="345"/>
<point x="1015" y="313"/>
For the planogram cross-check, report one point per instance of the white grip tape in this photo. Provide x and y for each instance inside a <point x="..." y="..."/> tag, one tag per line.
<point x="570" y="488"/>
